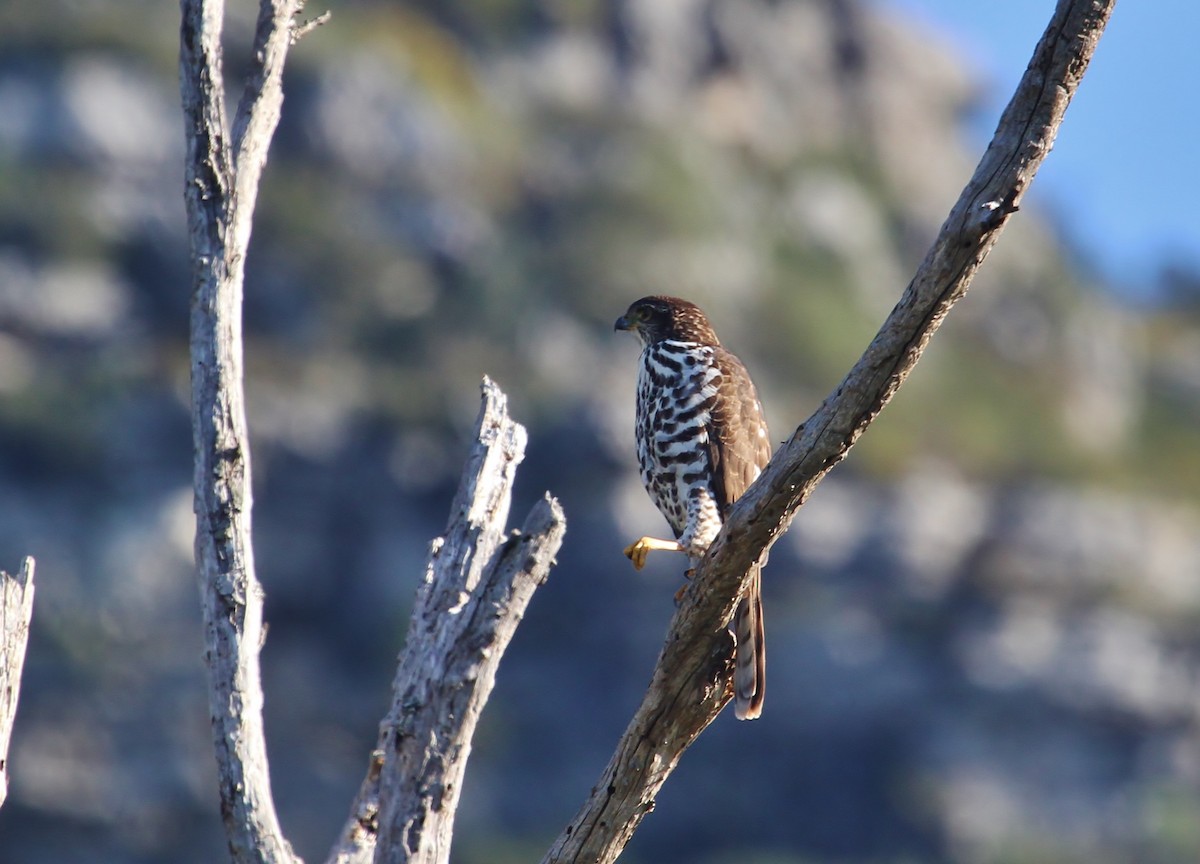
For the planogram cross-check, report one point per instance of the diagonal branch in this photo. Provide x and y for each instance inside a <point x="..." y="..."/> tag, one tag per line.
<point x="16" y="611"/>
<point x="688" y="688"/>
<point x="477" y="585"/>
<point x="220" y="190"/>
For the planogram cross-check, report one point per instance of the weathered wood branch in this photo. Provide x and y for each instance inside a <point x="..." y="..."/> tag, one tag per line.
<point x="478" y="582"/>
<point x="477" y="585"/>
<point x="220" y="190"/>
<point x="16" y="612"/>
<point x="688" y="688"/>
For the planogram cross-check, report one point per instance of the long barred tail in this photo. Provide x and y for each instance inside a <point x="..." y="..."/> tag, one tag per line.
<point x="750" y="661"/>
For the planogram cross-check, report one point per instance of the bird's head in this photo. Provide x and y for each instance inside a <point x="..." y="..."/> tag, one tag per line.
<point x="655" y="319"/>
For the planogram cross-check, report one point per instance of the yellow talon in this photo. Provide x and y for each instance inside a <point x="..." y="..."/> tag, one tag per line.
<point x="637" y="552"/>
<point x="639" y="549"/>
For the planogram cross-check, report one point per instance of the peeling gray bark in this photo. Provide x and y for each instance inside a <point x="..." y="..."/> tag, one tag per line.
<point x="689" y="684"/>
<point x="16" y="612"/>
<point x="221" y="186"/>
<point x="478" y="581"/>
<point x="477" y="584"/>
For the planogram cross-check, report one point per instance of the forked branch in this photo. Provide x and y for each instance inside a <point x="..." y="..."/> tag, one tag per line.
<point x="478" y="582"/>
<point x="220" y="190"/>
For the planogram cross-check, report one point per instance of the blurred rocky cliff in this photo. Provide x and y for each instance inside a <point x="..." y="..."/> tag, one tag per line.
<point x="982" y="628"/>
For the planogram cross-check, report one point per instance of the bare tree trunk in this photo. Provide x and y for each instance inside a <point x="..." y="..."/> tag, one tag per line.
<point x="477" y="585"/>
<point x="689" y="684"/>
<point x="478" y="581"/>
<point x="16" y="611"/>
<point x="220" y="191"/>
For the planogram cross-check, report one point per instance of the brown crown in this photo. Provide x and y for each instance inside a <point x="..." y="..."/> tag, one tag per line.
<point x="655" y="319"/>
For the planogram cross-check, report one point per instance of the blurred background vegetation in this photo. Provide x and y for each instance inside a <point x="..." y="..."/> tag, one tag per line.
<point x="982" y="627"/>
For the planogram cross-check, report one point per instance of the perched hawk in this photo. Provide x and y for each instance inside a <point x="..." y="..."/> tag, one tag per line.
<point x="701" y="440"/>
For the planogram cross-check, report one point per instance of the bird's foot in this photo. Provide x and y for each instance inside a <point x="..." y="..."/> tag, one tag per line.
<point x="637" y="552"/>
<point x="639" y="549"/>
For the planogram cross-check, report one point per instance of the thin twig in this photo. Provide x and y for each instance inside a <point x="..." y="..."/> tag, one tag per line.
<point x="299" y="31"/>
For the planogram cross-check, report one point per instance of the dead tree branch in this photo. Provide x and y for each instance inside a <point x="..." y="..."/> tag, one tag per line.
<point x="688" y="687"/>
<point x="16" y="611"/>
<point x="220" y="191"/>
<point x="477" y="585"/>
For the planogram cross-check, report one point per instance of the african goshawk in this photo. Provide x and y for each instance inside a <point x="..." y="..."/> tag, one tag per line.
<point x="701" y="441"/>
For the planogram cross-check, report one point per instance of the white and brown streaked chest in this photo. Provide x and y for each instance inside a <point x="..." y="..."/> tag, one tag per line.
<point x="678" y="385"/>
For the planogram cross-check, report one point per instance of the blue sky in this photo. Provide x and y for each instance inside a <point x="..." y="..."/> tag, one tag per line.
<point x="1122" y="180"/>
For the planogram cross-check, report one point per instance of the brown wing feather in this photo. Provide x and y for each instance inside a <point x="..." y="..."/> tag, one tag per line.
<point x="740" y="448"/>
<point x="737" y="435"/>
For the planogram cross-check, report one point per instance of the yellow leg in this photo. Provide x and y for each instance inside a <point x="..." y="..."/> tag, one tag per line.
<point x="639" y="549"/>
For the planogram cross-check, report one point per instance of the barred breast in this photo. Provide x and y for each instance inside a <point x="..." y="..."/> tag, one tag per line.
<point x="677" y="387"/>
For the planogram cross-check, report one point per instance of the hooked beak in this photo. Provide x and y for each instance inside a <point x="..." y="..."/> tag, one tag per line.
<point x="621" y="324"/>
